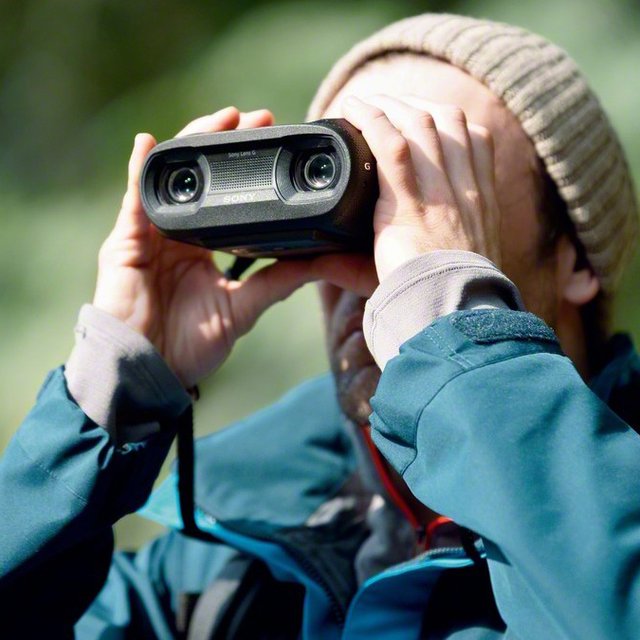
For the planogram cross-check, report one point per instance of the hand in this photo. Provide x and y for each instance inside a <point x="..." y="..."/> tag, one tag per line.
<point x="436" y="176"/>
<point x="173" y="293"/>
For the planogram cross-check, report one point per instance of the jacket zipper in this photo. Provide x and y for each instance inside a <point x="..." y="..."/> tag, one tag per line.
<point x="432" y="554"/>
<point x="309" y="568"/>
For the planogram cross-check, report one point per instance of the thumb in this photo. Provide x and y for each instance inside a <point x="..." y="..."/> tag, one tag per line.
<point x="250" y="298"/>
<point x="132" y="220"/>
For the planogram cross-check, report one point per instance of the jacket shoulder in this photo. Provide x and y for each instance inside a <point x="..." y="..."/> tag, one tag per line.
<point x="276" y="467"/>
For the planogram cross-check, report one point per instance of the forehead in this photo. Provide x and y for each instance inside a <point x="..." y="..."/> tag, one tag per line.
<point x="516" y="163"/>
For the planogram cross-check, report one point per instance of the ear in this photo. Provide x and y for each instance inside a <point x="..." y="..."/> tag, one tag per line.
<point x="577" y="283"/>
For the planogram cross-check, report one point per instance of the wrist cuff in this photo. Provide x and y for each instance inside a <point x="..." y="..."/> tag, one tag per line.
<point x="426" y="288"/>
<point x="119" y="379"/>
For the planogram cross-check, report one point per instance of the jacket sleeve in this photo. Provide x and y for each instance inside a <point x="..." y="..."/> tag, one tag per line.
<point x="64" y="483"/>
<point x="86" y="455"/>
<point x="490" y="424"/>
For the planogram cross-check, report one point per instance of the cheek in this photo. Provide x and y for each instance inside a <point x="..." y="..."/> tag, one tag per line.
<point x="516" y="193"/>
<point x="516" y="265"/>
<point x="519" y="235"/>
<point x="540" y="295"/>
<point x="535" y="280"/>
<point x="522" y="264"/>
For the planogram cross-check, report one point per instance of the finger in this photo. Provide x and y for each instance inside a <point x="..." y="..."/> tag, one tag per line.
<point x="457" y="152"/>
<point x="254" y="119"/>
<point x="460" y="167"/>
<point x="483" y="159"/>
<point x="222" y="120"/>
<point x="271" y="284"/>
<point x="132" y="220"/>
<point x="458" y="156"/>
<point x="420" y="130"/>
<point x="392" y="152"/>
<point x="251" y="297"/>
<point x="353" y="272"/>
<point x="484" y="164"/>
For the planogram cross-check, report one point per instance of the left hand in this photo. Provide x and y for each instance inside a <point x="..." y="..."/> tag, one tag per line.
<point x="436" y="177"/>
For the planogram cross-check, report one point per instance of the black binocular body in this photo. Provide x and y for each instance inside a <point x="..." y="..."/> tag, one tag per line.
<point x="268" y="192"/>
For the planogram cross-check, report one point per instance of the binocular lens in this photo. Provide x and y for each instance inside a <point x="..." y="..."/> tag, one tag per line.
<point x="319" y="171"/>
<point x="183" y="185"/>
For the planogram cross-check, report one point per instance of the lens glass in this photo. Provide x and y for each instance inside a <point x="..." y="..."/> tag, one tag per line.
<point x="319" y="171"/>
<point x="183" y="185"/>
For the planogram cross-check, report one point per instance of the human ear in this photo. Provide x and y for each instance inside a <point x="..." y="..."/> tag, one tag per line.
<point x="577" y="283"/>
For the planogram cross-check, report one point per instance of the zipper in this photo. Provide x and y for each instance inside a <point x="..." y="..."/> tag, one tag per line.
<point x="441" y="551"/>
<point x="309" y="568"/>
<point x="432" y="554"/>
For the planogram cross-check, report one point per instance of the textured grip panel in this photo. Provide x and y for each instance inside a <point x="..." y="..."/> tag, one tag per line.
<point x="236" y="174"/>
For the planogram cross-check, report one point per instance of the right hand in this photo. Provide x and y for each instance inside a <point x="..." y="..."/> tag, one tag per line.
<point x="437" y="179"/>
<point x="173" y="293"/>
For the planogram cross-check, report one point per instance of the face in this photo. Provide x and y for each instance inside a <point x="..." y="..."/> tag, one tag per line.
<point x="517" y="187"/>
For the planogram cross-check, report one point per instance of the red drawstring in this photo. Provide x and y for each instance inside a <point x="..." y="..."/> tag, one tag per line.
<point x="388" y="484"/>
<point x="433" y="526"/>
<point x="424" y="537"/>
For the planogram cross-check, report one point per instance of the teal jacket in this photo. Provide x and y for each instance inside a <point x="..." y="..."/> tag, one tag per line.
<point x="484" y="417"/>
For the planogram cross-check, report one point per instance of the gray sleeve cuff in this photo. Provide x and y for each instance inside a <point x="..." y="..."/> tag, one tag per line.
<point x="426" y="288"/>
<point x="119" y="380"/>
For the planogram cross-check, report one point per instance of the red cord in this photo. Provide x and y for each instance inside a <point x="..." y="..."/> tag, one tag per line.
<point x="433" y="525"/>
<point x="381" y="468"/>
<point x="397" y="498"/>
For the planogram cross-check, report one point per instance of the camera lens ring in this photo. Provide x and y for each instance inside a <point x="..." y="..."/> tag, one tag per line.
<point x="183" y="185"/>
<point x="319" y="171"/>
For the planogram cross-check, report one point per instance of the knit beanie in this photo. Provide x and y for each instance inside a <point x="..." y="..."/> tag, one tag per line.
<point x="546" y="91"/>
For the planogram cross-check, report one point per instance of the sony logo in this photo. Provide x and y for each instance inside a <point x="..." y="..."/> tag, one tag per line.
<point x="238" y="198"/>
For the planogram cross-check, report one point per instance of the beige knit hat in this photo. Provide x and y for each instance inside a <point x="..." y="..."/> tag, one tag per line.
<point x="545" y="90"/>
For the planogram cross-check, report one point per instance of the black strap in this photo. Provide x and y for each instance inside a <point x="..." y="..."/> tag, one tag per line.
<point x="245" y="601"/>
<point x="239" y="266"/>
<point x="186" y="463"/>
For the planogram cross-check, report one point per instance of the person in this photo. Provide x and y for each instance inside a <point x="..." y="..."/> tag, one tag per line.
<point x="469" y="469"/>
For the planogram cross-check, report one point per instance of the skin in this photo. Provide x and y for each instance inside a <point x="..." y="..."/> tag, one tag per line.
<point x="455" y="170"/>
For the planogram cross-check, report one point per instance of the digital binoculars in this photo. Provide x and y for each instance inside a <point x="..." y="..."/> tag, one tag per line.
<point x="268" y="192"/>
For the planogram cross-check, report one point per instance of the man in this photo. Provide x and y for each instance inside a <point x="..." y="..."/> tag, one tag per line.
<point x="479" y="415"/>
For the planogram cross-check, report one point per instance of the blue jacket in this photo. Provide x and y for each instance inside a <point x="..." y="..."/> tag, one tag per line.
<point x="483" y="416"/>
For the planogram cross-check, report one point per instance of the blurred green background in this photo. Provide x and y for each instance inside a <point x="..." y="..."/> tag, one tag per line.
<point x="79" y="79"/>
